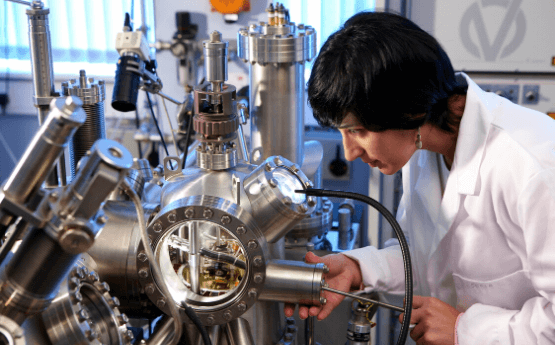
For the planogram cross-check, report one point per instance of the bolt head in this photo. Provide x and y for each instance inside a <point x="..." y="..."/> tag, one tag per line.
<point x="104" y="287"/>
<point x="210" y="320"/>
<point x="253" y="293"/>
<point x="268" y="167"/>
<point x="323" y="300"/>
<point x="273" y="182"/>
<point x="84" y="315"/>
<point x="142" y="257"/>
<point x="226" y="219"/>
<point x="91" y="334"/>
<point x="287" y="201"/>
<point x="114" y="302"/>
<point x="228" y="315"/>
<point x="77" y="296"/>
<point x="149" y="289"/>
<point x="302" y="208"/>
<point x="157" y="227"/>
<point x="258" y="261"/>
<point x="258" y="278"/>
<point x="72" y="103"/>
<point x="252" y="244"/>
<point x="241" y="230"/>
<point x="208" y="213"/>
<point x="161" y="303"/>
<point x="129" y="335"/>
<point x="326" y="269"/>
<point x="242" y="307"/>
<point x="93" y="276"/>
<point x="123" y="319"/>
<point x="189" y="213"/>
<point x="172" y="217"/>
<point x="143" y="273"/>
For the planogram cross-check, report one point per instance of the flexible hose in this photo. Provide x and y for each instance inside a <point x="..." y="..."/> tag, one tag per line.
<point x="194" y="317"/>
<point x="402" y="242"/>
<point x="150" y="255"/>
<point x="228" y="259"/>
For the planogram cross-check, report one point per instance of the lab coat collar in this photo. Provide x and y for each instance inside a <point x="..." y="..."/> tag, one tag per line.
<point x="473" y="132"/>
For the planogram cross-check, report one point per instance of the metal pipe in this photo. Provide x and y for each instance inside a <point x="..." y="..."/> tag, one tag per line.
<point x="381" y="304"/>
<point x="194" y="258"/>
<point x="238" y="332"/>
<point x="344" y="227"/>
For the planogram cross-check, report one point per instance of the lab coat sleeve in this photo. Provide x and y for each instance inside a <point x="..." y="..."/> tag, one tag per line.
<point x="534" y="323"/>
<point x="383" y="269"/>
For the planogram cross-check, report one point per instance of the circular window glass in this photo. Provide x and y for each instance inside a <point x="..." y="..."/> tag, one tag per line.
<point x="288" y="183"/>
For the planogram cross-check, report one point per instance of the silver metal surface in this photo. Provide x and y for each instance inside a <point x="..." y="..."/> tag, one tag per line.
<point x="209" y="212"/>
<point x="34" y="166"/>
<point x="277" y="111"/>
<point x="215" y="60"/>
<point x="344" y="227"/>
<point x="84" y="312"/>
<point x="93" y="94"/>
<point x="381" y="304"/>
<point x="270" y="189"/>
<point x="293" y="282"/>
<point x="238" y="332"/>
<point x="11" y="333"/>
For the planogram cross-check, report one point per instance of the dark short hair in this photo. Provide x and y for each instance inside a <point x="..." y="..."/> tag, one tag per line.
<point x="387" y="71"/>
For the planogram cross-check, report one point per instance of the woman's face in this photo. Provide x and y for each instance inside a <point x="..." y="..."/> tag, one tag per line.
<point x="389" y="150"/>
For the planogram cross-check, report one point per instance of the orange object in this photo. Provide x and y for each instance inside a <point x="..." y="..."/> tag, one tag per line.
<point x="551" y="115"/>
<point x="230" y="6"/>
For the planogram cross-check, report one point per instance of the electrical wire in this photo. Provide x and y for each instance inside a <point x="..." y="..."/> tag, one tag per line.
<point x="196" y="321"/>
<point x="402" y="242"/>
<point x="138" y="125"/>
<point x="158" y="127"/>
<point x="171" y="127"/>
<point x="178" y="329"/>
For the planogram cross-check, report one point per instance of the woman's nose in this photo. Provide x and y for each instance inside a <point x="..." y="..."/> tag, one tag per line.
<point x="351" y="148"/>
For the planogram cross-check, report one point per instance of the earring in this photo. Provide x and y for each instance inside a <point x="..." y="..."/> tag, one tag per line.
<point x="418" y="140"/>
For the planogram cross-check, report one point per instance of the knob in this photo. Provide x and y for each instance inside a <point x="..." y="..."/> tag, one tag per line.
<point x="338" y="166"/>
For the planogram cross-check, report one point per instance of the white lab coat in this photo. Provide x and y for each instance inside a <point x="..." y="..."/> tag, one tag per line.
<point x="488" y="246"/>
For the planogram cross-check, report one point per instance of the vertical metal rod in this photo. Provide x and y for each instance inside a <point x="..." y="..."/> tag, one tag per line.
<point x="194" y="267"/>
<point x="182" y="254"/>
<point x="309" y="330"/>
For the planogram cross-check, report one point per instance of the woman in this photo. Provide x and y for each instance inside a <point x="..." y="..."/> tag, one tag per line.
<point x="478" y="207"/>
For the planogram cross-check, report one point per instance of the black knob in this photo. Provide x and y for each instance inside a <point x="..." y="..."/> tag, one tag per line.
<point x="338" y="166"/>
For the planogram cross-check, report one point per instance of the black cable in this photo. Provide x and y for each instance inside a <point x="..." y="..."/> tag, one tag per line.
<point x="138" y="125"/>
<point x="188" y="141"/>
<point x="226" y="258"/>
<point x="194" y="317"/>
<point x="158" y="127"/>
<point x="402" y="242"/>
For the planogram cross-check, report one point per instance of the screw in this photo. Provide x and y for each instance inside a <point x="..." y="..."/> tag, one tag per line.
<point x="93" y="276"/>
<point x="172" y="217"/>
<point x="161" y="303"/>
<point x="258" y="261"/>
<point x="268" y="167"/>
<point x="311" y="202"/>
<point x="258" y="278"/>
<point x="77" y="296"/>
<point x="123" y="319"/>
<point x="84" y="315"/>
<point x="114" y="302"/>
<point x="74" y="282"/>
<point x="129" y="334"/>
<point x="215" y="36"/>
<point x="252" y="244"/>
<point x="242" y="307"/>
<point x="149" y="289"/>
<point x="287" y="201"/>
<point x="278" y="161"/>
<point x="241" y="230"/>
<point x="273" y="182"/>
<point x="143" y="273"/>
<point x="210" y="320"/>
<point x="228" y="315"/>
<point x="157" y="227"/>
<point x="142" y="256"/>
<point x="104" y="287"/>
<point x="83" y="273"/>
<point x="253" y="293"/>
<point x="308" y="184"/>
<point x="207" y="213"/>
<point x="302" y="208"/>
<point x="226" y="219"/>
<point x="189" y="213"/>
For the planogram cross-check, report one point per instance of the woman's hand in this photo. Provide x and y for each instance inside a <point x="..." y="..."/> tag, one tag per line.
<point x="344" y="274"/>
<point x="435" y="321"/>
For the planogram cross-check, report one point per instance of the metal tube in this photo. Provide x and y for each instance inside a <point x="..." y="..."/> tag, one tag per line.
<point x="194" y="258"/>
<point x="293" y="282"/>
<point x="344" y="227"/>
<point x="381" y="304"/>
<point x="238" y="332"/>
<point x="45" y="148"/>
